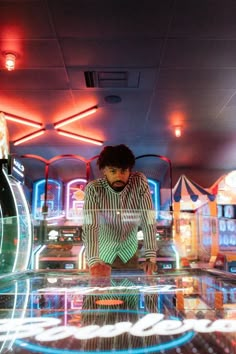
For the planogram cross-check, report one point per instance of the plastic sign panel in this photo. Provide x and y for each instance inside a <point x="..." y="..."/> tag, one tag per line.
<point x="17" y="169"/>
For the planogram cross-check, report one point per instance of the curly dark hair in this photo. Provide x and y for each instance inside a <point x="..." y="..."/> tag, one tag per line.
<point x="118" y="156"/>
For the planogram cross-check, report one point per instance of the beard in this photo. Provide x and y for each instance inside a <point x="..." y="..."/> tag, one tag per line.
<point x="118" y="186"/>
<point x="118" y="189"/>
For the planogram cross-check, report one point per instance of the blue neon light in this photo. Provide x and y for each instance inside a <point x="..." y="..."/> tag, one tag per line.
<point x="155" y="193"/>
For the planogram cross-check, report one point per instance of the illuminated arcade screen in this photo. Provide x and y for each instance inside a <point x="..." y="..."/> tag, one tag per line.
<point x="75" y="199"/>
<point x="227" y="228"/>
<point x="63" y="234"/>
<point x="54" y="199"/>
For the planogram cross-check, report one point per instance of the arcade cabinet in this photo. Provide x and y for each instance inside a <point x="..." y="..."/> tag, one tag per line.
<point x="158" y="170"/>
<point x="225" y="258"/>
<point x="60" y="237"/>
<point x="167" y="255"/>
<point x="15" y="226"/>
<point x="62" y="249"/>
<point x="226" y="203"/>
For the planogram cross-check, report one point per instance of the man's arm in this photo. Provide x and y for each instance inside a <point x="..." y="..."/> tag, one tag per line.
<point x="148" y="220"/>
<point x="90" y="225"/>
<point x="90" y="234"/>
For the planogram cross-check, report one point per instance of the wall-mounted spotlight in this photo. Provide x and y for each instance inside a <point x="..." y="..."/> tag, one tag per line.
<point x="71" y="119"/>
<point x="10" y="61"/>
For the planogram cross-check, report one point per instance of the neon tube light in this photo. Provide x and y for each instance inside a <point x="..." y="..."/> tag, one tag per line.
<point x="17" y="236"/>
<point x="27" y="221"/>
<point x="80" y="137"/>
<point x="24" y="121"/>
<point x="37" y="255"/>
<point x="177" y="257"/>
<point x="29" y="137"/>
<point x="71" y="119"/>
<point x="81" y="264"/>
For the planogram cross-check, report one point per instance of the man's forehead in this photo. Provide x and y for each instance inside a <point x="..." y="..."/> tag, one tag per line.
<point x="116" y="168"/>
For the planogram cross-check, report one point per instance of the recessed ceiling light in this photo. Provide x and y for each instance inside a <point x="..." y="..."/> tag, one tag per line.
<point x="112" y="99"/>
<point x="10" y="61"/>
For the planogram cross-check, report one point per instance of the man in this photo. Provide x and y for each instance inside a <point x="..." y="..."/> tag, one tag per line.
<point x="114" y="207"/>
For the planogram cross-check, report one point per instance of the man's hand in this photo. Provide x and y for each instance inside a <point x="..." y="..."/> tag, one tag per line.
<point x="100" y="269"/>
<point x="149" y="266"/>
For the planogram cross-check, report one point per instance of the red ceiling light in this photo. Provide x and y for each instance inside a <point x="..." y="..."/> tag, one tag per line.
<point x="178" y="131"/>
<point x="24" y="121"/>
<point x="29" y="137"/>
<point x="10" y="61"/>
<point x="71" y="119"/>
<point x="80" y="137"/>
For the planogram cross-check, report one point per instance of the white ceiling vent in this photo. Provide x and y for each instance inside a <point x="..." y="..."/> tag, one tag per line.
<point x="112" y="79"/>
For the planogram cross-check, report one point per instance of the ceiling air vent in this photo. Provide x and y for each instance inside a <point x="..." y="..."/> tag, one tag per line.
<point x="112" y="79"/>
<point x="89" y="78"/>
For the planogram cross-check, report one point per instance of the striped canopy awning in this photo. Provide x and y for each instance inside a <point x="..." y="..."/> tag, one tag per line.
<point x="186" y="188"/>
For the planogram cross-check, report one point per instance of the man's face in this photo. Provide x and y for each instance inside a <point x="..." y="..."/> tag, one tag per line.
<point x="116" y="177"/>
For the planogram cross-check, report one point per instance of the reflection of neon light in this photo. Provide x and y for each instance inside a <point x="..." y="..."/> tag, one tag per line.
<point x="32" y="265"/>
<point x="1" y="235"/>
<point x="78" y="180"/>
<point x="18" y="172"/>
<point x="26" y="296"/>
<point x="17" y="221"/>
<point x="29" y="226"/>
<point x="12" y="318"/>
<point x="81" y="259"/>
<point x="65" y="309"/>
<point x="24" y="307"/>
<point x="176" y="256"/>
<point x="37" y="257"/>
<point x="154" y="184"/>
<point x="151" y="289"/>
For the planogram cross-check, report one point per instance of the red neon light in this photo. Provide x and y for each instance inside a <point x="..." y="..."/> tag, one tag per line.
<point x="29" y="137"/>
<point x="24" y="121"/>
<point x="71" y="119"/>
<point x="80" y="137"/>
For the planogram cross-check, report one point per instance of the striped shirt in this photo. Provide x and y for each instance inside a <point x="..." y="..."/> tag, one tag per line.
<point x="111" y="220"/>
